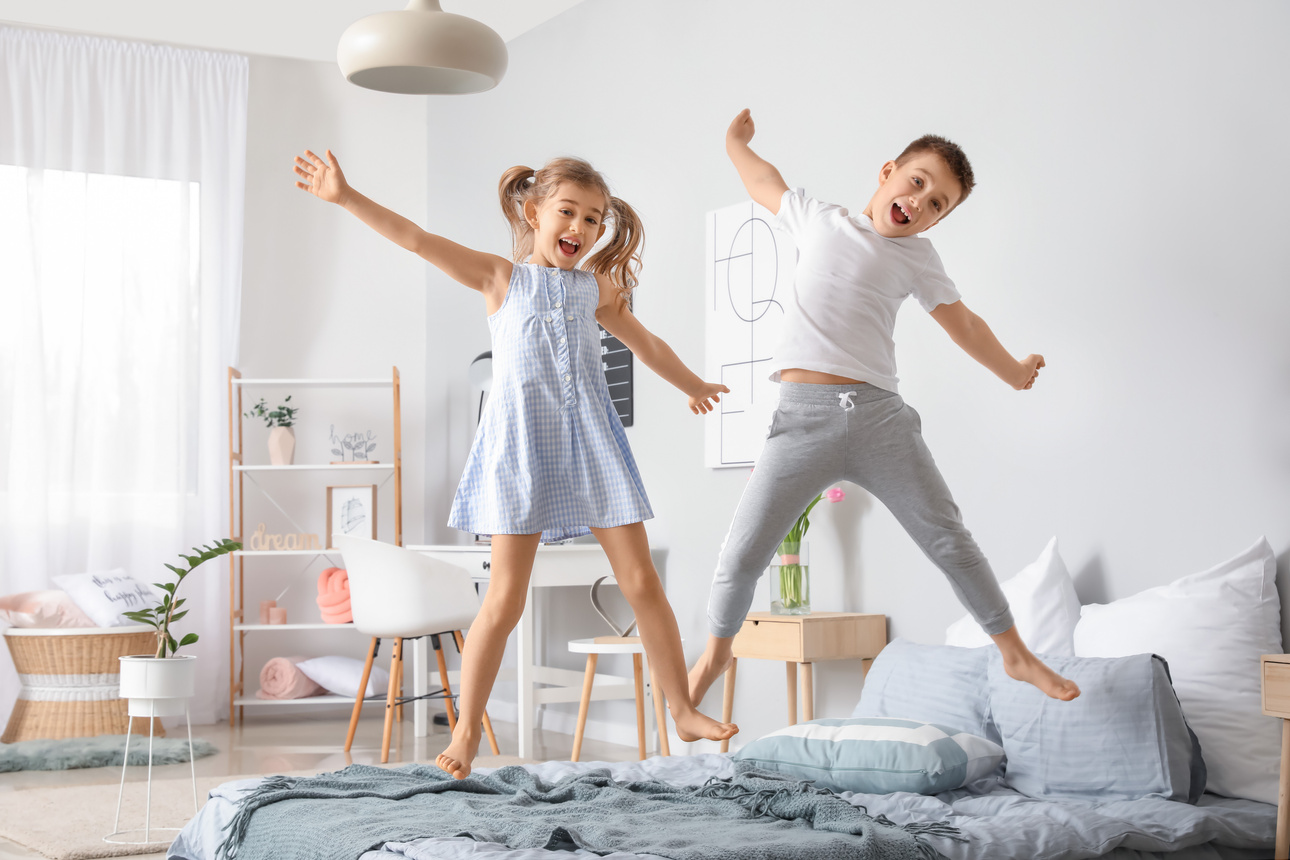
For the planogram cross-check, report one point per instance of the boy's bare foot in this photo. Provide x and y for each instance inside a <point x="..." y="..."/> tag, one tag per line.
<point x="1029" y="668"/>
<point x="457" y="758"/>
<point x="692" y="725"/>
<point x="710" y="666"/>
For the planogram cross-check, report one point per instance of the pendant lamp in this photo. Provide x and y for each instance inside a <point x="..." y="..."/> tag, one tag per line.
<point x="421" y="50"/>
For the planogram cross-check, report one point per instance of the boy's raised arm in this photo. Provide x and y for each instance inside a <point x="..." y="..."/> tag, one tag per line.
<point x="975" y="338"/>
<point x="759" y="176"/>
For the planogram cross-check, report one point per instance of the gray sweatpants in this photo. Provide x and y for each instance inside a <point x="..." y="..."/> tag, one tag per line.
<point x="869" y="436"/>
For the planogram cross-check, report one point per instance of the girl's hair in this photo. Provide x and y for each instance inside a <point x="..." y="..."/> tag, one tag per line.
<point x="619" y="260"/>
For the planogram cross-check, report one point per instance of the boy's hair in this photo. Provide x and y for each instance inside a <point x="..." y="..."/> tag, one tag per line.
<point x="950" y="153"/>
<point x="619" y="260"/>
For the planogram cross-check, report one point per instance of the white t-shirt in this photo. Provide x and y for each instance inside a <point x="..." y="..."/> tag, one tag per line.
<point x="850" y="282"/>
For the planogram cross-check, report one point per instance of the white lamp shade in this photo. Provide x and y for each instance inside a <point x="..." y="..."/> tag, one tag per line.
<point x="421" y="50"/>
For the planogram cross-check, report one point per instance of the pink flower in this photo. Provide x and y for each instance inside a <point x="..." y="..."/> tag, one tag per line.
<point x="835" y="495"/>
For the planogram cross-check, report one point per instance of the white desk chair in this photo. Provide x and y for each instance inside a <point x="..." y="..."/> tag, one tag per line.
<point x="398" y="594"/>
<point x="593" y="648"/>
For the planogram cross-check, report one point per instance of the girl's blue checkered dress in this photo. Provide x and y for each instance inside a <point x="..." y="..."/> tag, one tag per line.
<point x="550" y="454"/>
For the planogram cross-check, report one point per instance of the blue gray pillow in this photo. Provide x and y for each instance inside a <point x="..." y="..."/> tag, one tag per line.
<point x="941" y="684"/>
<point x="876" y="756"/>
<point x="1125" y="737"/>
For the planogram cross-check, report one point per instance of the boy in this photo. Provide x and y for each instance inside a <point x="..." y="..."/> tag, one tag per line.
<point x="839" y="416"/>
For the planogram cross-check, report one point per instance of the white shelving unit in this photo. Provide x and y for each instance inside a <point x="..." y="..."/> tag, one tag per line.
<point x="238" y="471"/>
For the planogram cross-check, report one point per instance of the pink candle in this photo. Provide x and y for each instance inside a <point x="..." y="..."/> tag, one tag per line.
<point x="277" y="615"/>
<point x="265" y="607"/>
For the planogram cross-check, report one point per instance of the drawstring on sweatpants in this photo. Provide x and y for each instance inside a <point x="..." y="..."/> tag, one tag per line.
<point x="844" y="400"/>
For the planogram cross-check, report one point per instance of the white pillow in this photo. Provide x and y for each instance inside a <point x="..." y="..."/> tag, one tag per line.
<point x="340" y="675"/>
<point x="1212" y="627"/>
<point x="1044" y="607"/>
<point x="103" y="595"/>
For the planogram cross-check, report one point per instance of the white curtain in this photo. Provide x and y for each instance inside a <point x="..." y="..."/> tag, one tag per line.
<point x="122" y="169"/>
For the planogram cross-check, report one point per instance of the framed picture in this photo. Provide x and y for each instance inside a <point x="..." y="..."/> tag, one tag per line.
<point x="351" y="510"/>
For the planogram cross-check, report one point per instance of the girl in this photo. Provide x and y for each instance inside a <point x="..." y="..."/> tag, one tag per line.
<point x="550" y="460"/>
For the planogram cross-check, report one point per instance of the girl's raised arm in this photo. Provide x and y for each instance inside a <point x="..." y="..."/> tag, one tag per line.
<point x="618" y="320"/>
<point x="487" y="273"/>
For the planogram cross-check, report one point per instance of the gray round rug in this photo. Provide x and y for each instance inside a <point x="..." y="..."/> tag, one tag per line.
<point x="101" y="751"/>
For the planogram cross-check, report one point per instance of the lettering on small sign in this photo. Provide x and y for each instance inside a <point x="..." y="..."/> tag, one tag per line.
<point x="616" y="359"/>
<point x="263" y="541"/>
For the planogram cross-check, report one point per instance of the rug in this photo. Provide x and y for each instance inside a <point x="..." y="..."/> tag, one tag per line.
<point x="100" y="751"/>
<point x="70" y="823"/>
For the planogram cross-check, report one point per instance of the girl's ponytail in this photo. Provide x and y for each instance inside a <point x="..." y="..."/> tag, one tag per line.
<point x="515" y="187"/>
<point x="620" y="259"/>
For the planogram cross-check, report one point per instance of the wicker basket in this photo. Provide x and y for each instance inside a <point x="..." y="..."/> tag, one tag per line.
<point x="71" y="681"/>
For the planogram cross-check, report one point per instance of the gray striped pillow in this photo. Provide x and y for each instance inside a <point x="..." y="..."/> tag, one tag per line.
<point x="876" y="756"/>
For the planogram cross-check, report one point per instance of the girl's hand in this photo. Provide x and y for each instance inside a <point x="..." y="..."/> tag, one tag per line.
<point x="323" y="179"/>
<point x="699" y="404"/>
<point x="741" y="131"/>
<point x="1030" y="372"/>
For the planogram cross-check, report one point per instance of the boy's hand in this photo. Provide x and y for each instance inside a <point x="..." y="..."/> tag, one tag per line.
<point x="323" y="179"/>
<point x="699" y="404"/>
<point x="1030" y="372"/>
<point x="741" y="131"/>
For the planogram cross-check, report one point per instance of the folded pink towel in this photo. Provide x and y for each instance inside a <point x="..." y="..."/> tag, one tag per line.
<point x="333" y="596"/>
<point x="280" y="679"/>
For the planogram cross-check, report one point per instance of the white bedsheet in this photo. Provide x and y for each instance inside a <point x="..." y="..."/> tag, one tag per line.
<point x="998" y="823"/>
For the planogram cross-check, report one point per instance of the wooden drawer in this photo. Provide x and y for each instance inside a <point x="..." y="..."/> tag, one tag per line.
<point x="811" y="638"/>
<point x="1276" y="685"/>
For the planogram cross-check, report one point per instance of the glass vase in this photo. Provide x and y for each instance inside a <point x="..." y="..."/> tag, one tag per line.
<point x="790" y="580"/>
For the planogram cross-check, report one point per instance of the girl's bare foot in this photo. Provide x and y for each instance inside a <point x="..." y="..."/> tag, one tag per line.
<point x="1029" y="668"/>
<point x="692" y="725"/>
<point x="457" y="758"/>
<point x="709" y="667"/>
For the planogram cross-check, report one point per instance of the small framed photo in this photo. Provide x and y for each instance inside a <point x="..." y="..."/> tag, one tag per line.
<point x="351" y="510"/>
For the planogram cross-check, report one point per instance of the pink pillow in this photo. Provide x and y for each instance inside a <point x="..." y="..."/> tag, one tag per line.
<point x="42" y="609"/>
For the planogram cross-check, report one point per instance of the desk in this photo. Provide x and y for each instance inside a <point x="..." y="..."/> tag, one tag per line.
<point x="1275" y="672"/>
<point x="803" y="640"/>
<point x="553" y="566"/>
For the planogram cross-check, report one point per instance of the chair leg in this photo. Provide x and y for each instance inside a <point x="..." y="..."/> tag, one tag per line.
<point x="660" y="712"/>
<point x="443" y="681"/>
<point x="398" y="709"/>
<point x="358" y="697"/>
<point x="488" y="724"/>
<point x="390" y="699"/>
<point x="583" y="705"/>
<point x="640" y="703"/>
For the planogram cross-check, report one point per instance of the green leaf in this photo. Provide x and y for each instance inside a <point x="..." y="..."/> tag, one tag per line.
<point x="178" y="570"/>
<point x="188" y="639"/>
<point x="178" y="615"/>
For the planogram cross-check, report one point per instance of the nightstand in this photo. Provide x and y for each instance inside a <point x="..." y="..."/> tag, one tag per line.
<point x="803" y="640"/>
<point x="1275" y="671"/>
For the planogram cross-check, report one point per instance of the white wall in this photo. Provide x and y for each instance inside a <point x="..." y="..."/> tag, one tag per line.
<point x="324" y="296"/>
<point x="1128" y="224"/>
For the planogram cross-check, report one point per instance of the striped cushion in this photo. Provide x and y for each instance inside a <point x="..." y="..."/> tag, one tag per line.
<point x="876" y="756"/>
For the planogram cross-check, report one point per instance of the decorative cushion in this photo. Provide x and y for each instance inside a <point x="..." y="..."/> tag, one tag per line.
<point x="42" y="609"/>
<point x="103" y="595"/>
<point x="1123" y="738"/>
<point x="340" y="675"/>
<point x="1212" y="627"/>
<point x="1044" y="606"/>
<point x="876" y="756"/>
<point x="940" y="684"/>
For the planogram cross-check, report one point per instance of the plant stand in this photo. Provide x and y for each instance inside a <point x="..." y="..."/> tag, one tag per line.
<point x="155" y="687"/>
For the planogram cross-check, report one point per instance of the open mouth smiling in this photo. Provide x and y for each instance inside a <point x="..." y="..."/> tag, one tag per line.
<point x="898" y="214"/>
<point x="569" y="247"/>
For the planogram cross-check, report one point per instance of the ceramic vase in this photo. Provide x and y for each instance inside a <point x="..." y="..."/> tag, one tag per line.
<point x="282" y="446"/>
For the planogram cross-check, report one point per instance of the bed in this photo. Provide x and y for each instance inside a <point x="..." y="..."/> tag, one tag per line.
<point x="1153" y="761"/>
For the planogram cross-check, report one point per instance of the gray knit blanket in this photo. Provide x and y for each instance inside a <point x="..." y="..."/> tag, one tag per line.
<point x="754" y="815"/>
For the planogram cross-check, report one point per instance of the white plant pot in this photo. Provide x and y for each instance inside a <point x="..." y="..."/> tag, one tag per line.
<point x="158" y="686"/>
<point x="282" y="446"/>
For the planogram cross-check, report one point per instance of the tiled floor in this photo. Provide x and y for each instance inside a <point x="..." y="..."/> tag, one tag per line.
<point x="272" y="744"/>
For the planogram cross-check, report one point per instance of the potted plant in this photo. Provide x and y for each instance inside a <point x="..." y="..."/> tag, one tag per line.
<point x="159" y="684"/>
<point x="790" y="582"/>
<point x="282" y="439"/>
